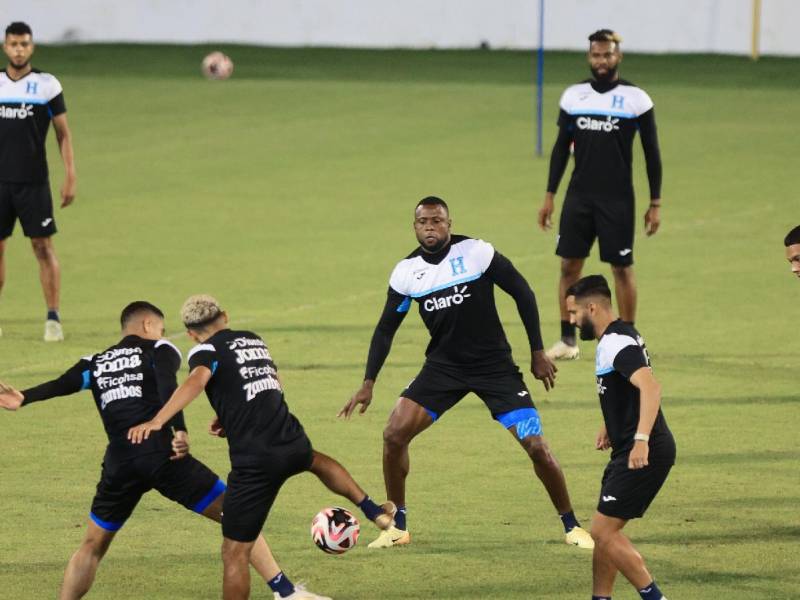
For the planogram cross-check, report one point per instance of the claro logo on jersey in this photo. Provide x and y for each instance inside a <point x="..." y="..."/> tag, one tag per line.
<point x="608" y="124"/>
<point x="23" y="112"/>
<point x="457" y="297"/>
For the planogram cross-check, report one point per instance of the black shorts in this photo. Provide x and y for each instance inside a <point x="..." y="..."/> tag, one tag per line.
<point x="122" y="484"/>
<point x="438" y="388"/>
<point x="252" y="490"/>
<point x="32" y="204"/>
<point x="611" y="220"/>
<point x="626" y="493"/>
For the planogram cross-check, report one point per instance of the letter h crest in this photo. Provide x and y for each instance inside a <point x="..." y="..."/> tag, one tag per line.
<point x="457" y="265"/>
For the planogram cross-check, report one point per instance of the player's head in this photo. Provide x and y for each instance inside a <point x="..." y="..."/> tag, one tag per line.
<point x="432" y="223"/>
<point x="604" y="54"/>
<point x="589" y="301"/>
<point x="18" y="44"/>
<point x="203" y="317"/>
<point x="792" y="243"/>
<point x="143" y="319"/>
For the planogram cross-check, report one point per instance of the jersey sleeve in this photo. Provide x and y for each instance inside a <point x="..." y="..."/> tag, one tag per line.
<point x="643" y="102"/>
<point x="76" y="378"/>
<point x="483" y="253"/>
<point x="55" y="98"/>
<point x="394" y="311"/>
<point x="203" y="355"/>
<point x="167" y="361"/>
<point x="398" y="280"/>
<point x="511" y="281"/>
<point x="629" y="360"/>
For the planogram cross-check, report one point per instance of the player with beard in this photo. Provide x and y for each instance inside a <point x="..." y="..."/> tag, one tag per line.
<point x="599" y="118"/>
<point x="642" y="446"/>
<point x="452" y="278"/>
<point x="29" y="100"/>
<point x="792" y="243"/>
<point x="266" y="443"/>
<point x="130" y="381"/>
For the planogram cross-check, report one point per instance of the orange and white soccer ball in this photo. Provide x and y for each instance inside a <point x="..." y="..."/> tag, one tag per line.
<point x="335" y="530"/>
<point x="217" y="66"/>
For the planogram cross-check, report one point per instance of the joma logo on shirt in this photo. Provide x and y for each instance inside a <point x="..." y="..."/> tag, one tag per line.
<point x="23" y="112"/>
<point x="457" y="297"/>
<point x="609" y="124"/>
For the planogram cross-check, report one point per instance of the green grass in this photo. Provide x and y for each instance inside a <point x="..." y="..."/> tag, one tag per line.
<point x="287" y="192"/>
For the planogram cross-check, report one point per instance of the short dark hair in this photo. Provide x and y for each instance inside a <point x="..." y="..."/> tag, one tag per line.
<point x="605" y="35"/>
<point x="432" y="201"/>
<point x="793" y="237"/>
<point x="136" y="308"/>
<point x="591" y="285"/>
<point x="18" y="28"/>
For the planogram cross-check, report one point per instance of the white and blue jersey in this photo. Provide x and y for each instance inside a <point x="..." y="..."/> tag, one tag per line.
<point x="27" y="105"/>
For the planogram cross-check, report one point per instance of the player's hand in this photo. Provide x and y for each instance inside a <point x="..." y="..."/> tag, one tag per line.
<point x="142" y="432"/>
<point x="543" y="369"/>
<point x="637" y="459"/>
<point x="180" y="445"/>
<point x="215" y="428"/>
<point x="602" y="442"/>
<point x="363" y="397"/>
<point x="546" y="213"/>
<point x="10" y="399"/>
<point x="68" y="190"/>
<point x="652" y="220"/>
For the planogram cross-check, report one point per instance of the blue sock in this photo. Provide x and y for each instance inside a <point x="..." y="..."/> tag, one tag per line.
<point x="400" y="518"/>
<point x="570" y="521"/>
<point x="281" y="584"/>
<point x="651" y="592"/>
<point x="369" y="508"/>
<point x="52" y="315"/>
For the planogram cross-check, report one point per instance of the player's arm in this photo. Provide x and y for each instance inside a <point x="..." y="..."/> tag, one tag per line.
<point x="559" y="157"/>
<point x="72" y="381"/>
<point x="166" y="364"/>
<point x="652" y="157"/>
<point x="511" y="281"/>
<point x="183" y="396"/>
<point x="632" y="363"/>
<point x="64" y="138"/>
<point x="394" y="311"/>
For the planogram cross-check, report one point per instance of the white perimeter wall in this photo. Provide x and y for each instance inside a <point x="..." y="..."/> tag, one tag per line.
<point x="646" y="25"/>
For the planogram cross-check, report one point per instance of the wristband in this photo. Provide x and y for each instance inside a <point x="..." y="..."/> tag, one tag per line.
<point x="655" y="205"/>
<point x="641" y="437"/>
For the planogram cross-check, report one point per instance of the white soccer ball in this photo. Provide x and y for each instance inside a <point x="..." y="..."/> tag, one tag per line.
<point x="217" y="66"/>
<point x="335" y="530"/>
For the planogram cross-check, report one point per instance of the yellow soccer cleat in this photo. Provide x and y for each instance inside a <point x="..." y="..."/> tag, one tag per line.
<point x="562" y="351"/>
<point x="301" y="593"/>
<point x="53" y="332"/>
<point x="579" y="537"/>
<point x="391" y="537"/>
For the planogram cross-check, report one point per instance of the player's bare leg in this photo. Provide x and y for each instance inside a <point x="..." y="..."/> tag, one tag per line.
<point x="50" y="277"/>
<point x="566" y="348"/>
<point x="2" y="268"/>
<point x="80" y="572"/>
<point x="552" y="477"/>
<point x="338" y="480"/>
<point x="603" y="573"/>
<point x="236" y="569"/>
<point x="614" y="547"/>
<point x="406" y="421"/>
<point x="625" y="291"/>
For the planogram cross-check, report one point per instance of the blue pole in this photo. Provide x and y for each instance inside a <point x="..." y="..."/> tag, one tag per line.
<point x="540" y="80"/>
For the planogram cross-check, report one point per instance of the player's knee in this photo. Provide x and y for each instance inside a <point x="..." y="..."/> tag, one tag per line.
<point x="602" y="536"/>
<point x="96" y="545"/>
<point x="43" y="249"/>
<point x="571" y="267"/>
<point x="395" y="437"/>
<point x="538" y="450"/>
<point x="234" y="553"/>
<point x="622" y="272"/>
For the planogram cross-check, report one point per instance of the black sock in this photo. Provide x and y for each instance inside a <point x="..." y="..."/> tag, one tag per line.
<point x="601" y="597"/>
<point x="568" y="333"/>
<point x="569" y="520"/>
<point x="281" y="585"/>
<point x="651" y="592"/>
<point x="52" y="315"/>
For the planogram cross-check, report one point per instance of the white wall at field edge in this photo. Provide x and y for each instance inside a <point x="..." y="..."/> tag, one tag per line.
<point x="722" y="26"/>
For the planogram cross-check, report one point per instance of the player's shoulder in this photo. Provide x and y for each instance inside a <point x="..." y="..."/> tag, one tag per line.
<point x="164" y="345"/>
<point x="474" y="248"/>
<point x="617" y="336"/>
<point x="574" y="92"/>
<point x="640" y="99"/>
<point x="206" y="347"/>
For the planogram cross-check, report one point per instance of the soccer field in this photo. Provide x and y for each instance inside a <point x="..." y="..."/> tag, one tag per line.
<point x="287" y="192"/>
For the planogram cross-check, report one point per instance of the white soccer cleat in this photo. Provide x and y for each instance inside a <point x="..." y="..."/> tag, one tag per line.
<point x="386" y="520"/>
<point x="53" y="332"/>
<point x="579" y="537"/>
<point x="562" y="351"/>
<point x="301" y="593"/>
<point x="391" y="537"/>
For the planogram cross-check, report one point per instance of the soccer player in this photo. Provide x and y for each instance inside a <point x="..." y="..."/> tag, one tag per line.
<point x="599" y="119"/>
<point x="642" y="446"/>
<point x="792" y="243"/>
<point x="452" y="278"/>
<point x="130" y="381"/>
<point x="267" y="444"/>
<point x="29" y="100"/>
